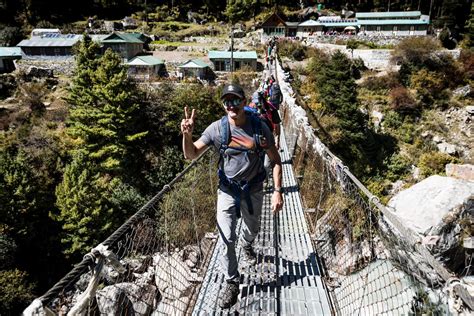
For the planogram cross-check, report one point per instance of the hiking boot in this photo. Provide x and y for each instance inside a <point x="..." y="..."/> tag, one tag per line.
<point x="229" y="295"/>
<point x="249" y="255"/>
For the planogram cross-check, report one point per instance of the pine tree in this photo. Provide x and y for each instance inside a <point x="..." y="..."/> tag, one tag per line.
<point x="470" y="29"/>
<point x="105" y="111"/>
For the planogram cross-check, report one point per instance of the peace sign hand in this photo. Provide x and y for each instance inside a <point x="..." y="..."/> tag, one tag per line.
<point x="187" y="124"/>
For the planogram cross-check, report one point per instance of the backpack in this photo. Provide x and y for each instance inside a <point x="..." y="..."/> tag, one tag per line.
<point x="242" y="189"/>
<point x="275" y="95"/>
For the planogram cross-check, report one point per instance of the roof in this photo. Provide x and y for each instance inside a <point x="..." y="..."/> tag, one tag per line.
<point x="292" y="24"/>
<point x="310" y="23"/>
<point x="213" y="54"/>
<point x="145" y="61"/>
<point x="51" y="40"/>
<point x="46" y="30"/>
<point x="10" y="52"/>
<point x="343" y="23"/>
<point x="273" y="20"/>
<point x="393" y="14"/>
<point x="195" y="63"/>
<point x="121" y="38"/>
<point x="392" y="22"/>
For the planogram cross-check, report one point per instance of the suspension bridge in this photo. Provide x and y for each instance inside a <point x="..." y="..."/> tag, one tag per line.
<point x="334" y="249"/>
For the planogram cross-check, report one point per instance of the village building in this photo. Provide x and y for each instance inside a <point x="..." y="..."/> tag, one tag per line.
<point x="125" y="44"/>
<point x="49" y="45"/>
<point x="274" y="25"/>
<point x="7" y="56"/>
<point x="393" y="23"/>
<point x="145" y="67"/>
<point x="406" y="23"/>
<point x="195" y="68"/>
<point x="221" y="60"/>
<point x="309" y="28"/>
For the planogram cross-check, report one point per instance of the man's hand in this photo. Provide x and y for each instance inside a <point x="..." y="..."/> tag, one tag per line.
<point x="277" y="202"/>
<point x="187" y="124"/>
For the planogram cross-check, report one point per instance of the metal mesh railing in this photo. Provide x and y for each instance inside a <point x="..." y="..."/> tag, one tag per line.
<point x="154" y="263"/>
<point x="374" y="264"/>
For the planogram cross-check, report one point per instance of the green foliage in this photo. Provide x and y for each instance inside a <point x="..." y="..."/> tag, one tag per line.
<point x="434" y="162"/>
<point x="10" y="35"/>
<point x="237" y="10"/>
<point x="296" y="50"/>
<point x="8" y="248"/>
<point x="15" y="292"/>
<point x="430" y="87"/>
<point x="397" y="166"/>
<point x="446" y="40"/>
<point x="105" y="111"/>
<point x="470" y="29"/>
<point x="82" y="198"/>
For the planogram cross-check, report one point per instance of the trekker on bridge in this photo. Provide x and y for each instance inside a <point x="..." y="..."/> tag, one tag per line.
<point x="241" y="140"/>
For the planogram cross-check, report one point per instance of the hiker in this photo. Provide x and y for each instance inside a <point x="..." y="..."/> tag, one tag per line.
<point x="240" y="139"/>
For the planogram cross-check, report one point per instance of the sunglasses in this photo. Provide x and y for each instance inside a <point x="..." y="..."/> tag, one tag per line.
<point x="232" y="102"/>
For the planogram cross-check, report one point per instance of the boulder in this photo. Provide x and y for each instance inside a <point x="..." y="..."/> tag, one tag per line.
<point x="465" y="172"/>
<point x="447" y="148"/>
<point x="126" y="299"/>
<point x="470" y="109"/>
<point x="425" y="204"/>
<point x="39" y="72"/>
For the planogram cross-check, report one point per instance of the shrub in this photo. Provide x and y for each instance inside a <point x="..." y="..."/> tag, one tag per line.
<point x="379" y="83"/>
<point x="430" y="87"/>
<point x="415" y="50"/>
<point x="401" y="100"/>
<point x="393" y="120"/>
<point x="433" y="162"/>
<point x="467" y="63"/>
<point x="397" y="165"/>
<point x="15" y="292"/>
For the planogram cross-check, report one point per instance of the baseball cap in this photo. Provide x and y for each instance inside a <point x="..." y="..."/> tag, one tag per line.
<point x="233" y="89"/>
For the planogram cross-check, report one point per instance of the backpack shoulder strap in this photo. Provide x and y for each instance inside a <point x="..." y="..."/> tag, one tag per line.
<point x="257" y="131"/>
<point x="225" y="134"/>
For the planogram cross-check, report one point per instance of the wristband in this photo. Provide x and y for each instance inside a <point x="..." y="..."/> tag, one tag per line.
<point x="280" y="190"/>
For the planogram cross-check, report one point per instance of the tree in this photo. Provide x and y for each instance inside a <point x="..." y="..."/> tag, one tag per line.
<point x="105" y="111"/>
<point x="470" y="29"/>
<point x="84" y="210"/>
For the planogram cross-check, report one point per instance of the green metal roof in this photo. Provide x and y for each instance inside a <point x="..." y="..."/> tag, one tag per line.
<point x="335" y="24"/>
<point x="393" y="22"/>
<point x="145" y="61"/>
<point x="195" y="63"/>
<point x="121" y="38"/>
<point x="394" y="14"/>
<point x="10" y="52"/>
<point x="216" y="54"/>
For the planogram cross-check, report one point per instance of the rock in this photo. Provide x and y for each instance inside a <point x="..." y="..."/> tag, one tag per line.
<point x="377" y="118"/>
<point x="415" y="172"/>
<point x="424" y="205"/>
<point x="426" y="134"/>
<point x="39" y="72"/>
<point x="447" y="148"/>
<point x="465" y="172"/>
<point x="437" y="139"/>
<point x="462" y="91"/>
<point x="397" y="186"/>
<point x="126" y="299"/>
<point x="470" y="109"/>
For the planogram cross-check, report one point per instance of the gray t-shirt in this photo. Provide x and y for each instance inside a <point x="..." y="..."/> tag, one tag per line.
<point x="239" y="164"/>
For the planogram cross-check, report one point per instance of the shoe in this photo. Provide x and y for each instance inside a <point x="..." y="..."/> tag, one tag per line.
<point x="229" y="295"/>
<point x="249" y="255"/>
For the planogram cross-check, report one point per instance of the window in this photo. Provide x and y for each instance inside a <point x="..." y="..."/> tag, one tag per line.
<point x="395" y="28"/>
<point x="378" y="28"/>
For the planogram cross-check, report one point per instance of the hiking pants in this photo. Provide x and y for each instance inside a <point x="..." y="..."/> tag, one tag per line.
<point x="227" y="223"/>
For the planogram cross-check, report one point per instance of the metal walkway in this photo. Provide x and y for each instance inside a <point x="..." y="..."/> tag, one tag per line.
<point x="286" y="279"/>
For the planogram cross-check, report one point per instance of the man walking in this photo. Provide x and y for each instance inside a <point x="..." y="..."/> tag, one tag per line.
<point x="242" y="141"/>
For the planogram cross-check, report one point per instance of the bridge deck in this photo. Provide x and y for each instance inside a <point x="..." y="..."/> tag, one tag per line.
<point x="286" y="278"/>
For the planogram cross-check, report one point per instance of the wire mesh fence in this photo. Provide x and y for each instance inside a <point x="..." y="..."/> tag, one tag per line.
<point x="155" y="262"/>
<point x="372" y="264"/>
